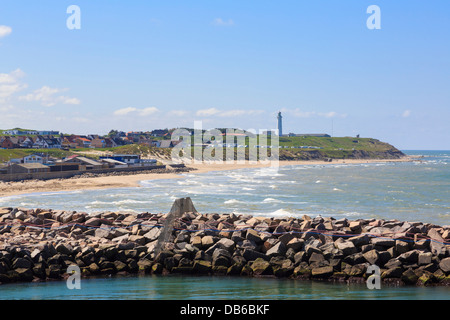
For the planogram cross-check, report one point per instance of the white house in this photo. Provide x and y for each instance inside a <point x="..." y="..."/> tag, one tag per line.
<point x="33" y="159"/>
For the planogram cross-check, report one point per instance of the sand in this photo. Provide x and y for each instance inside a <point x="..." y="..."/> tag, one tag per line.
<point x="109" y="182"/>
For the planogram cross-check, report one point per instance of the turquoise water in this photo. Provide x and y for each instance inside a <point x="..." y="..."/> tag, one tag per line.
<point x="213" y="288"/>
<point x="417" y="191"/>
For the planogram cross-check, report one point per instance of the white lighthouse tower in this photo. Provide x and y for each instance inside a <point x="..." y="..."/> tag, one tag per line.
<point x="280" y="124"/>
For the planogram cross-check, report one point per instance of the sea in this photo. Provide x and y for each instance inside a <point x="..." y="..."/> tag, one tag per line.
<point x="406" y="191"/>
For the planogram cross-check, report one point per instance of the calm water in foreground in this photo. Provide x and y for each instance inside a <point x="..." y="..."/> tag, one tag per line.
<point x="418" y="191"/>
<point x="213" y="288"/>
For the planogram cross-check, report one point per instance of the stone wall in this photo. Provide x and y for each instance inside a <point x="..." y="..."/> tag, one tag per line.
<point x="38" y="245"/>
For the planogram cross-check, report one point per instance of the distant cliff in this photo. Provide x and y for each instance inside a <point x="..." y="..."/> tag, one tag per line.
<point x="339" y="148"/>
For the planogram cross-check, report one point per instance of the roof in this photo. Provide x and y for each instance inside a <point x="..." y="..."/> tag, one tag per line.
<point x="89" y="161"/>
<point x="112" y="161"/>
<point x="32" y="165"/>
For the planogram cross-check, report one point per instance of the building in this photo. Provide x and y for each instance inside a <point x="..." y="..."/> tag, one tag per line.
<point x="87" y="163"/>
<point x="34" y="158"/>
<point x="125" y="158"/>
<point x="27" y="168"/>
<point x="46" y="142"/>
<point x="168" y="143"/>
<point x="280" y="124"/>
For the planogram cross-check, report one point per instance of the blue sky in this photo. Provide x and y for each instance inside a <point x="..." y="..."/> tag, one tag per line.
<point x="141" y="65"/>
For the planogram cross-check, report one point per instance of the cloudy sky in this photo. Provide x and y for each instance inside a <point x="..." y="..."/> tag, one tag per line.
<point x="142" y="65"/>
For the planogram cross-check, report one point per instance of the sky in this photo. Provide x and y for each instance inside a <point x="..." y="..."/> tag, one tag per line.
<point x="144" y="65"/>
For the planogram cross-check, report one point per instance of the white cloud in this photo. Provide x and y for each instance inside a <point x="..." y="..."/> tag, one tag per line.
<point x="10" y="84"/>
<point x="142" y="112"/>
<point x="406" y="113"/>
<point x="148" y="111"/>
<point x="124" y="111"/>
<point x="207" y="112"/>
<point x="5" y="31"/>
<point x="46" y="96"/>
<point x="221" y="22"/>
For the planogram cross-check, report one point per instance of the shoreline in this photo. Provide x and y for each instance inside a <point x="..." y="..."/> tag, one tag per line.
<point x="8" y="189"/>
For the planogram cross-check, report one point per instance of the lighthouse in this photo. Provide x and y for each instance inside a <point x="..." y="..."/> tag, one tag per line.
<point x="280" y="124"/>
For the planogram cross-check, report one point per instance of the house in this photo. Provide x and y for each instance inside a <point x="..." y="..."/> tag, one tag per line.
<point x="160" y="133"/>
<point x="34" y="158"/>
<point x="111" y="163"/>
<point x="48" y="133"/>
<point x="11" y="132"/>
<point x="169" y="143"/>
<point x="83" y="161"/>
<point x="148" y="142"/>
<point x="98" y="143"/>
<point x="103" y="143"/>
<point x="27" y="168"/>
<point x="6" y="143"/>
<point x="28" y="142"/>
<point x="125" y="158"/>
<point x="46" y="142"/>
<point x="82" y="142"/>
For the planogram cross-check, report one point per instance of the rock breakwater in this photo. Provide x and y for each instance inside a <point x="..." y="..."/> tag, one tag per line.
<point x="39" y="245"/>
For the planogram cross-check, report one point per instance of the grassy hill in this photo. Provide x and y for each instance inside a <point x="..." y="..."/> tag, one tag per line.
<point x="292" y="148"/>
<point x="7" y="154"/>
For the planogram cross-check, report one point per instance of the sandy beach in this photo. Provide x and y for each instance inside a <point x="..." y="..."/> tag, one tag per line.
<point x="109" y="182"/>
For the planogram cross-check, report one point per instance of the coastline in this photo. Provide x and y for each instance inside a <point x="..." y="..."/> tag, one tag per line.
<point x="129" y="181"/>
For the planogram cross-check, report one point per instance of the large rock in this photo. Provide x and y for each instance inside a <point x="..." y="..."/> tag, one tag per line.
<point x="322" y="272"/>
<point x="251" y="255"/>
<point x="277" y="250"/>
<point x="295" y="244"/>
<point x="207" y="241"/>
<point x="395" y="272"/>
<point x="372" y="257"/>
<point x="347" y="247"/>
<point x="202" y="266"/>
<point x="226" y="244"/>
<point x="444" y="265"/>
<point x="360" y="240"/>
<point x="22" y="263"/>
<point x="153" y="234"/>
<point x="409" y="277"/>
<point x="401" y="247"/>
<point x="254" y="236"/>
<point x="424" y="258"/>
<point x="409" y="257"/>
<point x="383" y="242"/>
<point x="64" y="248"/>
<point x="261" y="267"/>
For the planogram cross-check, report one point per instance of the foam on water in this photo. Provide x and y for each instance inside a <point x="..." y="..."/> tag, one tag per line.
<point x="403" y="191"/>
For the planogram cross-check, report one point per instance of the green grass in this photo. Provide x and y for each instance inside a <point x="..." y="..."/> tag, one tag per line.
<point x="7" y="154"/>
<point x="336" y="148"/>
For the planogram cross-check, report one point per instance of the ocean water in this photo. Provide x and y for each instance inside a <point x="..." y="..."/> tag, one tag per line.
<point x="176" y="287"/>
<point x="409" y="191"/>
